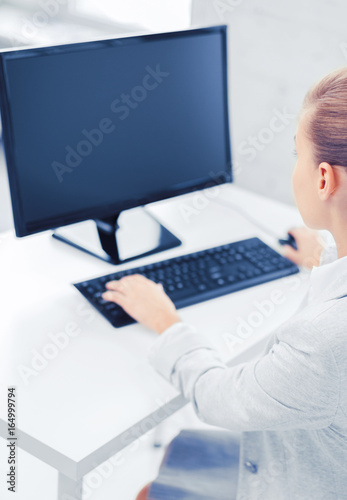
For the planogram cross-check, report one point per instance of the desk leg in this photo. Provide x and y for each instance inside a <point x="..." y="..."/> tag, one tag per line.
<point x="69" y="489"/>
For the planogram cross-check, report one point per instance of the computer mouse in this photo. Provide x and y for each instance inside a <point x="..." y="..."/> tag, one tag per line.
<point x="290" y="240"/>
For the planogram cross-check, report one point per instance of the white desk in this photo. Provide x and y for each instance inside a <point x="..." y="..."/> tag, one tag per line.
<point x="98" y="393"/>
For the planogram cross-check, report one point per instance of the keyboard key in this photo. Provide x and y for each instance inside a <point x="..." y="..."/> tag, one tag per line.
<point x="214" y="269"/>
<point x="215" y="276"/>
<point x="110" y="306"/>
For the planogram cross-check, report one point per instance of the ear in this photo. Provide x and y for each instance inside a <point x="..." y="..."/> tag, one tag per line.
<point x="327" y="181"/>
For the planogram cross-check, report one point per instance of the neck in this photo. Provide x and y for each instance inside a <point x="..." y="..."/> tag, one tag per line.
<point x="339" y="233"/>
<point x="338" y="213"/>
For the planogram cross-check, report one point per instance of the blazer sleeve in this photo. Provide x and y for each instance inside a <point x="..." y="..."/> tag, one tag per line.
<point x="294" y="385"/>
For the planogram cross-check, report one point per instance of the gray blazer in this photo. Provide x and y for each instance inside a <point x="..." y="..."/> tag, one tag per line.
<point x="290" y="404"/>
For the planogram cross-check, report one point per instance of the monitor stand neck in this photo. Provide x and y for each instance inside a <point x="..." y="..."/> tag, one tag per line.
<point x="119" y="237"/>
<point x="107" y="231"/>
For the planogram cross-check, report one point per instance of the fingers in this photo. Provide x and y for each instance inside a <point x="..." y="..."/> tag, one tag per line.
<point x="294" y="231"/>
<point x="291" y="254"/>
<point x="126" y="286"/>
<point x="295" y="256"/>
<point x="119" y="286"/>
<point x="117" y="290"/>
<point x="116" y="297"/>
<point x="128" y="282"/>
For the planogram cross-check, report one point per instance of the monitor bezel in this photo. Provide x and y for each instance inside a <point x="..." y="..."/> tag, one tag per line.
<point x="25" y="227"/>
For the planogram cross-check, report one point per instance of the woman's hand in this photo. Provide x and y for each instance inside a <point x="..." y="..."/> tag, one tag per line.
<point x="143" y="300"/>
<point x="310" y="245"/>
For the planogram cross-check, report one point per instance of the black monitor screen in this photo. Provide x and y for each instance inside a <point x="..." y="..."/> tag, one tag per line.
<point x="94" y="128"/>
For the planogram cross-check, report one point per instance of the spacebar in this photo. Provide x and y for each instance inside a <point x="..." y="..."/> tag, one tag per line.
<point x="189" y="296"/>
<point x="183" y="293"/>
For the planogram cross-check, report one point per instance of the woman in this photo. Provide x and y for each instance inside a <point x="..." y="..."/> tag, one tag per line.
<point x="291" y="404"/>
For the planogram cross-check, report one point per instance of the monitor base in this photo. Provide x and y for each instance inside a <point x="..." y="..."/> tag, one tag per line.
<point x="127" y="236"/>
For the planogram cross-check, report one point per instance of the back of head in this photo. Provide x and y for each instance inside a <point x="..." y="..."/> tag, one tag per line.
<point x="325" y="113"/>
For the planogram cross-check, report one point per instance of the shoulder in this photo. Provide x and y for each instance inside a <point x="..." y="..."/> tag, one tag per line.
<point x="331" y="323"/>
<point x="319" y="329"/>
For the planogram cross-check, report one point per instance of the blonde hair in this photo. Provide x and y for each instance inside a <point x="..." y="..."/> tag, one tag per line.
<point x="325" y="109"/>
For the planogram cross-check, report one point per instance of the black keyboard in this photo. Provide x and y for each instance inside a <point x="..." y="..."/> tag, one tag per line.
<point x="198" y="276"/>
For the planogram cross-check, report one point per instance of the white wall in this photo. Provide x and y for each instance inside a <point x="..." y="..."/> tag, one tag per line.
<point x="277" y="50"/>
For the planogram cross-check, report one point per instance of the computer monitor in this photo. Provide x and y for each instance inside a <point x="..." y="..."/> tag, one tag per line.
<point x="96" y="128"/>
